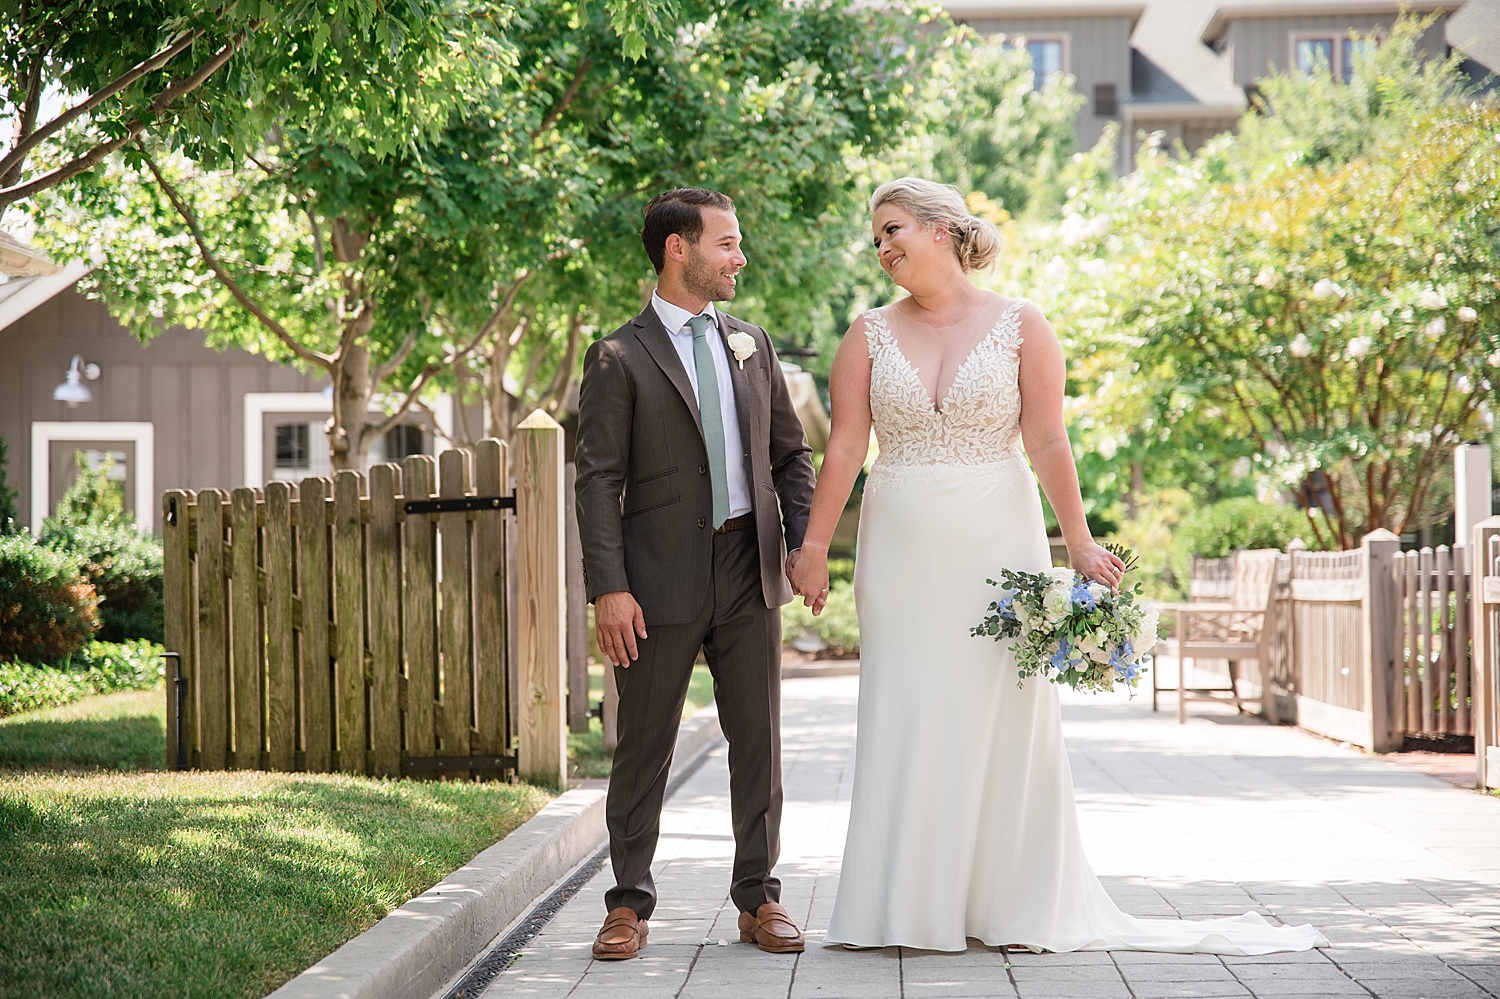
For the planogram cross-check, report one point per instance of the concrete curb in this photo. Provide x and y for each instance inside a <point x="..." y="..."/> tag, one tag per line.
<point x="426" y="942"/>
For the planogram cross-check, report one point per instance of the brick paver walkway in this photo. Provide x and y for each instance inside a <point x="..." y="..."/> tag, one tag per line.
<point x="1400" y="870"/>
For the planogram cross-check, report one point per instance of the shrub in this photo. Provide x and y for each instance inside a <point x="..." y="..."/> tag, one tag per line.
<point x="99" y="668"/>
<point x="126" y="570"/>
<point x="91" y="499"/>
<point x="1220" y="529"/>
<point x="48" y="610"/>
<point x="838" y="625"/>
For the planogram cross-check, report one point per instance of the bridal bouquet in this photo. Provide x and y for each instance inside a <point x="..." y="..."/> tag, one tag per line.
<point x="1071" y="630"/>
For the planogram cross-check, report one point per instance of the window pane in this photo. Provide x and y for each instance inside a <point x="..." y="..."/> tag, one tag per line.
<point x="402" y="441"/>
<point x="291" y="445"/>
<point x="1355" y="48"/>
<point x="1106" y="103"/>
<point x="1046" y="56"/>
<point x="1314" y="54"/>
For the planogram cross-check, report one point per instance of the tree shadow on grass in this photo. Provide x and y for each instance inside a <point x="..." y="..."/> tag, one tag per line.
<point x="137" y="743"/>
<point x="217" y="884"/>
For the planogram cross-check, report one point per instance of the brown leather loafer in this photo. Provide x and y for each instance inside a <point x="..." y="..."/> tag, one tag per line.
<point x="770" y="928"/>
<point x="622" y="936"/>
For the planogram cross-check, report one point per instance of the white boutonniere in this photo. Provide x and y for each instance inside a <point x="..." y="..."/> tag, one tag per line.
<point x="743" y="345"/>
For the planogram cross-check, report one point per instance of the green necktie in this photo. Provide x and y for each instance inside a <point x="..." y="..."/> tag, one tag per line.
<point x="712" y="416"/>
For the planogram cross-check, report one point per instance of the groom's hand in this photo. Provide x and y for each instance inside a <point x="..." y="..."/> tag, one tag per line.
<point x="617" y="622"/>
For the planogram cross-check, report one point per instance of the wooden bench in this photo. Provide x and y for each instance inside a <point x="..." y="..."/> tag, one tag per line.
<point x="1209" y="628"/>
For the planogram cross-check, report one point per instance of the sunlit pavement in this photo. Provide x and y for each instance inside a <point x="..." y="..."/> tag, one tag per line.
<point x="1225" y="814"/>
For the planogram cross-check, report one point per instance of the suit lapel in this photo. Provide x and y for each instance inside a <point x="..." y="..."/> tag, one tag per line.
<point x="740" y="380"/>
<point x="658" y="343"/>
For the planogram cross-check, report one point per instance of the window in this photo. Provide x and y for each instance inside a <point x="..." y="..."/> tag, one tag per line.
<point x="291" y="445"/>
<point x="1046" y="56"/>
<point x="1314" y="54"/>
<point x="300" y="450"/>
<point x="1352" y="49"/>
<point x="403" y="440"/>
<point x="1106" y="103"/>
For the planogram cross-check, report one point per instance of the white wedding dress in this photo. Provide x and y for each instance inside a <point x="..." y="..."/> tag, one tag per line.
<point x="962" y="822"/>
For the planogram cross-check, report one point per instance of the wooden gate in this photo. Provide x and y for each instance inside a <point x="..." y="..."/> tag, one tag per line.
<point x="360" y="625"/>
<point x="1432" y="640"/>
<point x="1485" y="630"/>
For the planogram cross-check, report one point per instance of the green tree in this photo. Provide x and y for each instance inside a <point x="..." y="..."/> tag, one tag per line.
<point x="1321" y="303"/>
<point x="211" y="76"/>
<point x="491" y="245"/>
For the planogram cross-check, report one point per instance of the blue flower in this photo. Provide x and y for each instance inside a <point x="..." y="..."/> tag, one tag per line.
<point x="1083" y="597"/>
<point x="1062" y="655"/>
<point x="1005" y="607"/>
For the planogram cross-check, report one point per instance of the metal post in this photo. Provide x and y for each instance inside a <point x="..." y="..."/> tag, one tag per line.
<point x="179" y="687"/>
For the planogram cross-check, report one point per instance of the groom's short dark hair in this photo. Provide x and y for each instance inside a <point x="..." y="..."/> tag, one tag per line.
<point x="679" y="212"/>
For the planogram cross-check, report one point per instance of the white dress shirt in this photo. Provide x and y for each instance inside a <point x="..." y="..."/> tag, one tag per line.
<point x="675" y="319"/>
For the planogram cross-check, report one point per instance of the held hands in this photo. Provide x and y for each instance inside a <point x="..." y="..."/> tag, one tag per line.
<point x="807" y="568"/>
<point x="617" y="621"/>
<point x="1098" y="564"/>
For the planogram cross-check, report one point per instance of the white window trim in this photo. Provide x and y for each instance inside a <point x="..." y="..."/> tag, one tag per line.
<point x="142" y="435"/>
<point x="258" y="404"/>
<point x="1063" y="37"/>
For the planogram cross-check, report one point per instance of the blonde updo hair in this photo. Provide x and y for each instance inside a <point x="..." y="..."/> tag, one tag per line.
<point x="975" y="240"/>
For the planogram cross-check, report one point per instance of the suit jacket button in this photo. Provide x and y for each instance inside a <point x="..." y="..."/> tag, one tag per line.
<point x="702" y="469"/>
<point x="702" y="522"/>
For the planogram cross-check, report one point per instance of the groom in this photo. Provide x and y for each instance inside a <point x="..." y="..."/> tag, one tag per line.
<point x="686" y="440"/>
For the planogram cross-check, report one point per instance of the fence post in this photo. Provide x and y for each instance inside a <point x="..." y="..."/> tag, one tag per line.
<point x="1482" y="683"/>
<point x="578" y="618"/>
<point x="179" y="614"/>
<point x="1471" y="489"/>
<point x="1379" y="608"/>
<point x="543" y="747"/>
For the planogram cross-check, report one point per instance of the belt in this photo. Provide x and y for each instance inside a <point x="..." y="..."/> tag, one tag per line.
<point x="736" y="523"/>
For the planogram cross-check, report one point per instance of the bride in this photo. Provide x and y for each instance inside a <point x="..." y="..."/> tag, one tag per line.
<point x="962" y="822"/>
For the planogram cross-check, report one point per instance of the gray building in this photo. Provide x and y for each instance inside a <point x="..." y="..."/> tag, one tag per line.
<point x="170" y="413"/>
<point x="1188" y="69"/>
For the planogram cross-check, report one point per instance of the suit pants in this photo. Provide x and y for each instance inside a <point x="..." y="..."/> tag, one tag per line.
<point x="741" y="640"/>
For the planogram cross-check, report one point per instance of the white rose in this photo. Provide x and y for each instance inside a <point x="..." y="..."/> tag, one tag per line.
<point x="1057" y="603"/>
<point x="1098" y="590"/>
<point x="1093" y="650"/>
<point x="1359" y="346"/>
<point x="1062" y="575"/>
<point x="743" y="345"/>
<point x="1432" y="300"/>
<point x="1022" y="614"/>
<point x="1466" y="314"/>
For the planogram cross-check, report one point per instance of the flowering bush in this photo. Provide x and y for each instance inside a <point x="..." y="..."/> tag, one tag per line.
<point x="1070" y="630"/>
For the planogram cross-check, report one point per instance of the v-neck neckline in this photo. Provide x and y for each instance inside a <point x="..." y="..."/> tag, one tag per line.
<point x="934" y="406"/>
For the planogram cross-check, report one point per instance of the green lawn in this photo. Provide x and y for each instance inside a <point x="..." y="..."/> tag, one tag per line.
<point x="152" y="883"/>
<point x="586" y="755"/>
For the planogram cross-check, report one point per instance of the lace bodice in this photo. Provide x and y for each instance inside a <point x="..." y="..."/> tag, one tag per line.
<point x="980" y="419"/>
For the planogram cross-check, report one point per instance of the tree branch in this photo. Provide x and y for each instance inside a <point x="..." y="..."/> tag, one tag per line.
<point x="26" y="123"/>
<point x="133" y="129"/>
<point x="13" y="159"/>
<point x="567" y="98"/>
<point x="191" y="219"/>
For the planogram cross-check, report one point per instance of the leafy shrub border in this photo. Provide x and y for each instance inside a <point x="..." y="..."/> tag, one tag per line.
<point x="99" y="668"/>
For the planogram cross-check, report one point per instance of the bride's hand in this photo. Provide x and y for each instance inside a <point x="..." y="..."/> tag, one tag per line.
<point x="810" y="578"/>
<point x="1098" y="564"/>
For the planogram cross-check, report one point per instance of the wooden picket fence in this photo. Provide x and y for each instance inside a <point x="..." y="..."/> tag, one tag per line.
<point x="1432" y="624"/>
<point x="1484" y="629"/>
<point x="361" y="625"/>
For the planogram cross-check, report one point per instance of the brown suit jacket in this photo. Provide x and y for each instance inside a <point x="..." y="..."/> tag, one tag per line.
<point x="644" y="497"/>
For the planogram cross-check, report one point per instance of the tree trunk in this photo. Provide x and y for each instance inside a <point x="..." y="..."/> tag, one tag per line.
<point x="348" y="428"/>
